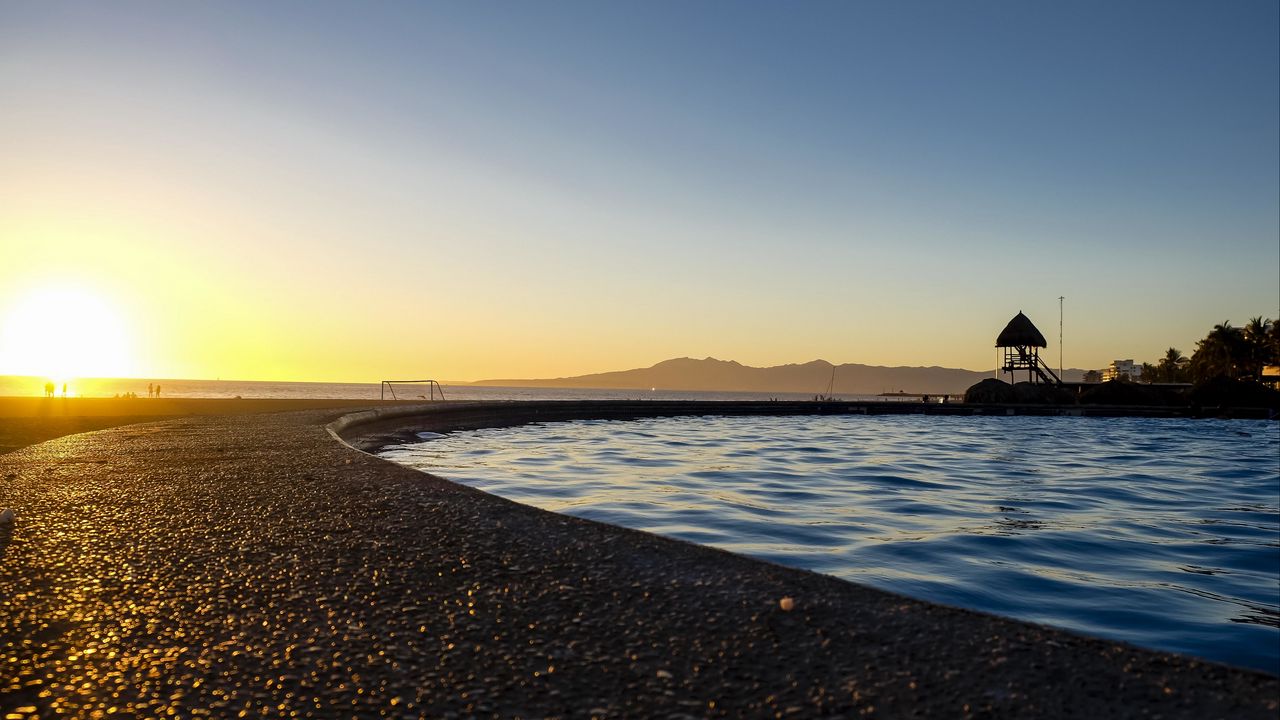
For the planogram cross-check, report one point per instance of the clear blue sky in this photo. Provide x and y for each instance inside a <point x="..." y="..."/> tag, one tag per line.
<point x="576" y="187"/>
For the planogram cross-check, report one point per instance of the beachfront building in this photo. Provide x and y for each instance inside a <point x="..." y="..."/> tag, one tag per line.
<point x="1271" y="375"/>
<point x="1122" y="370"/>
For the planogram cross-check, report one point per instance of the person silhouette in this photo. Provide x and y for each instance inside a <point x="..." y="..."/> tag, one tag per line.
<point x="151" y="390"/>
<point x="48" y="389"/>
<point x="64" y="390"/>
<point x="157" y="390"/>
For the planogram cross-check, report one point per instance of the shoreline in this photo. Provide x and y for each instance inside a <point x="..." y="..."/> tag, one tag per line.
<point x="253" y="562"/>
<point x="27" y="420"/>
<point x="374" y="427"/>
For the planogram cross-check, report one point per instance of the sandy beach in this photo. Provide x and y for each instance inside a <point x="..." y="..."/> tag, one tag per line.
<point x="213" y="564"/>
<point x="29" y="420"/>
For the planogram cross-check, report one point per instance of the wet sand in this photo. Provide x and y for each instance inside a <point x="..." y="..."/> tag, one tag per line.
<point x="209" y="565"/>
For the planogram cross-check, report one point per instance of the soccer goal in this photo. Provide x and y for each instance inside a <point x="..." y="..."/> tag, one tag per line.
<point x="412" y="389"/>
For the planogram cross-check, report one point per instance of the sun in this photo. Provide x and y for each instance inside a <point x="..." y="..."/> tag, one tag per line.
<point x="63" y="332"/>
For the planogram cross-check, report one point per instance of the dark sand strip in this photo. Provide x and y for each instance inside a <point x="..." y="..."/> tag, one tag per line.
<point x="212" y="565"/>
<point x="30" y="420"/>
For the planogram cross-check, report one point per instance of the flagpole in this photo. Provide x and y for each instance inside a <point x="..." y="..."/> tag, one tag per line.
<point x="1061" y="374"/>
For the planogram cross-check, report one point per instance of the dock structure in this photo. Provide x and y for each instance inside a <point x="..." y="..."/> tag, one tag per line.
<point x="1021" y="342"/>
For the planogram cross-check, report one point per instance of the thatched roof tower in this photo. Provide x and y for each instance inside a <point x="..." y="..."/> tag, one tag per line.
<point x="1021" y="332"/>
<point x="1021" y="342"/>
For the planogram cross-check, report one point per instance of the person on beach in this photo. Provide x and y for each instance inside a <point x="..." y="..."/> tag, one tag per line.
<point x="64" y="390"/>
<point x="151" y="390"/>
<point x="157" y="389"/>
<point x="48" y="389"/>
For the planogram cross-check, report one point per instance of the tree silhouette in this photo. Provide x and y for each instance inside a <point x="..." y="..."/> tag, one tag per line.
<point x="1149" y="373"/>
<point x="1222" y="352"/>
<point x="1273" y="343"/>
<point x="1256" y="350"/>
<point x="1172" y="367"/>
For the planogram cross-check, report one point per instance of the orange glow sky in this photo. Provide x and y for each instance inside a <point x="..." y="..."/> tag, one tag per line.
<point x="307" y="192"/>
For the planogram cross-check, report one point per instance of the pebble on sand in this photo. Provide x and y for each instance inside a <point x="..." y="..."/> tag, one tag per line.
<point x="6" y="516"/>
<point x="787" y="604"/>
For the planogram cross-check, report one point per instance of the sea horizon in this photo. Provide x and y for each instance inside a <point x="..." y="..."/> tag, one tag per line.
<point x="34" y="386"/>
<point x="89" y="388"/>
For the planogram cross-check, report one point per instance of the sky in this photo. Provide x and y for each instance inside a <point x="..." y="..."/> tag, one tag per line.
<point x="358" y="191"/>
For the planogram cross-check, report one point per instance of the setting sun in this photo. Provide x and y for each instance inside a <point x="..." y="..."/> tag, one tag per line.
<point x="64" y="332"/>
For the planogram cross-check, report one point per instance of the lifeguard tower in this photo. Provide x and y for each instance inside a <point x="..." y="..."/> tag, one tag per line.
<point x="1021" y="342"/>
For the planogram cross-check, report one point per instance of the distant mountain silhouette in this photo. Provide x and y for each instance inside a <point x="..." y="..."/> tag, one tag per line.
<point x="711" y="374"/>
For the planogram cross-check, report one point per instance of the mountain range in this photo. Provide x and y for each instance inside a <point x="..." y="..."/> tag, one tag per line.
<point x="710" y="374"/>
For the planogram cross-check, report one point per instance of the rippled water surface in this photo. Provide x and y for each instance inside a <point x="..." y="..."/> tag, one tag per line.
<point x="1163" y="533"/>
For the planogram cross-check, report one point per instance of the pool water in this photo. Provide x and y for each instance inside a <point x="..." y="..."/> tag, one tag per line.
<point x="1162" y="533"/>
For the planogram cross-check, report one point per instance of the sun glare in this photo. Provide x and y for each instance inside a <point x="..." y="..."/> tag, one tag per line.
<point x="64" y="332"/>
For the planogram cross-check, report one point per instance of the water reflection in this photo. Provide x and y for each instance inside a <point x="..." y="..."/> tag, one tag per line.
<point x="1159" y="532"/>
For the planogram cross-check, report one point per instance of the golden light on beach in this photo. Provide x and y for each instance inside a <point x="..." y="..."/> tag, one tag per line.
<point x="63" y="332"/>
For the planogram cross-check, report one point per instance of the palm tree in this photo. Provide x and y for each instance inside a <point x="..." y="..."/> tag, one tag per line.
<point x="1172" y="367"/>
<point x="1273" y="343"/>
<point x="1255" y="345"/>
<point x="1221" y="352"/>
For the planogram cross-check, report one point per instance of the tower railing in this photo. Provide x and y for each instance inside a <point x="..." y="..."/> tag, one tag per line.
<point x="1021" y="358"/>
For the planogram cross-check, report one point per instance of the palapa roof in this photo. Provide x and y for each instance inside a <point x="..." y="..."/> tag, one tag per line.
<point x="1020" y="332"/>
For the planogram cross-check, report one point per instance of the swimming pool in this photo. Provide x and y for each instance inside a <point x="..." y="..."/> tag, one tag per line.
<point x="1160" y="532"/>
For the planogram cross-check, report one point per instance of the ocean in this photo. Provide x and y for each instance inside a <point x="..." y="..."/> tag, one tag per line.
<point x="19" y="386"/>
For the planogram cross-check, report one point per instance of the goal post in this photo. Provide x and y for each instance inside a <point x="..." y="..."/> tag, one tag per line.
<point x="412" y="389"/>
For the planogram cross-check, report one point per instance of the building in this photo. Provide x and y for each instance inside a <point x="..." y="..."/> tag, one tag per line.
<point x="1271" y="375"/>
<point x="1122" y="370"/>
